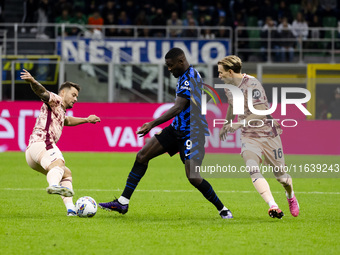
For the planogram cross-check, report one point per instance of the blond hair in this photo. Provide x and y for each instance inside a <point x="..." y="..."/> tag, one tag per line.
<point x="231" y="62"/>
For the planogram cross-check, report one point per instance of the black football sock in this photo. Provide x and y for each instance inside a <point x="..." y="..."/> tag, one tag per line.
<point x="208" y="192"/>
<point x="137" y="172"/>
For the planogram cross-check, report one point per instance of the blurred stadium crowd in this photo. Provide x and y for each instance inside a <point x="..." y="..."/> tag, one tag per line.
<point x="288" y="23"/>
<point x="297" y="15"/>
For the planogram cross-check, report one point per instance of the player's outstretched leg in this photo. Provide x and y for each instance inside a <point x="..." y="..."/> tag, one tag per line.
<point x="287" y="183"/>
<point x="68" y="201"/>
<point x="121" y="204"/>
<point x="260" y="184"/>
<point x="54" y="177"/>
<point x="206" y="189"/>
<point x="55" y="172"/>
<point x="152" y="149"/>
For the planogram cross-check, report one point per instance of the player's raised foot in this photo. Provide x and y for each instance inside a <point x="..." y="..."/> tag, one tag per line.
<point x="114" y="206"/>
<point x="70" y="212"/>
<point x="226" y="214"/>
<point x="60" y="190"/>
<point x="275" y="212"/>
<point x="294" y="207"/>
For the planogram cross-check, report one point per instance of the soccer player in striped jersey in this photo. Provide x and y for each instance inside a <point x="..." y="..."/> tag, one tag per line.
<point x="257" y="139"/>
<point x="185" y="135"/>
<point x="42" y="153"/>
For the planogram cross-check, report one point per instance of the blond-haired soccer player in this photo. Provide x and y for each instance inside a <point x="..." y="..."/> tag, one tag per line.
<point x="258" y="139"/>
<point x="42" y="154"/>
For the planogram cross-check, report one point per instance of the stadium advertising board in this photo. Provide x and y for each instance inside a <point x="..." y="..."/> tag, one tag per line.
<point x="117" y="130"/>
<point x="140" y="51"/>
<point x="45" y="67"/>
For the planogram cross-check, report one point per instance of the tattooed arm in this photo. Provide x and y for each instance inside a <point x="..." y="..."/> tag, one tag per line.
<point x="37" y="88"/>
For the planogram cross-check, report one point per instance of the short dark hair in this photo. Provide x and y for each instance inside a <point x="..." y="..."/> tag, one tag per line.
<point x="174" y="53"/>
<point x="68" y="84"/>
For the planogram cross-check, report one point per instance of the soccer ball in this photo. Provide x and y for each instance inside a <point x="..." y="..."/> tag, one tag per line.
<point x="86" y="207"/>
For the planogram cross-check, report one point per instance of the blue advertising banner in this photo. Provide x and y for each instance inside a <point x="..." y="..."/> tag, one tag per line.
<point x="140" y="50"/>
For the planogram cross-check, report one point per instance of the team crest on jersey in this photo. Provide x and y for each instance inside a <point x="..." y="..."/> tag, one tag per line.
<point x="256" y="94"/>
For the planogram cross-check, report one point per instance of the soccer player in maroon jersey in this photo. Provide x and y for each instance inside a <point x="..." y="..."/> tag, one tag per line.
<point x="262" y="137"/>
<point x="42" y="153"/>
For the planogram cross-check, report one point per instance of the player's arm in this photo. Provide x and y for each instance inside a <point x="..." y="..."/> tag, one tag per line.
<point x="229" y="117"/>
<point x="37" y="88"/>
<point x="179" y="105"/>
<point x="234" y="127"/>
<point x="253" y="116"/>
<point x="74" y="121"/>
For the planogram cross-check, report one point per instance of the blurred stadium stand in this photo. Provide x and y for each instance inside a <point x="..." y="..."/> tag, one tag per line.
<point x="22" y="36"/>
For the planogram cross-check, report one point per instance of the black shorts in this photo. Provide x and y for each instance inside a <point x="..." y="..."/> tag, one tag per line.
<point x="188" y="146"/>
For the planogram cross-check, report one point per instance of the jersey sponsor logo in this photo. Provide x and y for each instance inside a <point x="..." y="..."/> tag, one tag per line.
<point x="184" y="87"/>
<point x="256" y="94"/>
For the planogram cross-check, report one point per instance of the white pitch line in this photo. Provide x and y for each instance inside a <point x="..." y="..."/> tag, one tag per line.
<point x="175" y="191"/>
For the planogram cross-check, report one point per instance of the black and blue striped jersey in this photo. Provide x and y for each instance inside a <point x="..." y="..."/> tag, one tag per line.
<point x="190" y="119"/>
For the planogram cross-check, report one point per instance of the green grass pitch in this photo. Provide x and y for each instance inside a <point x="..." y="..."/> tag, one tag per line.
<point x="166" y="215"/>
